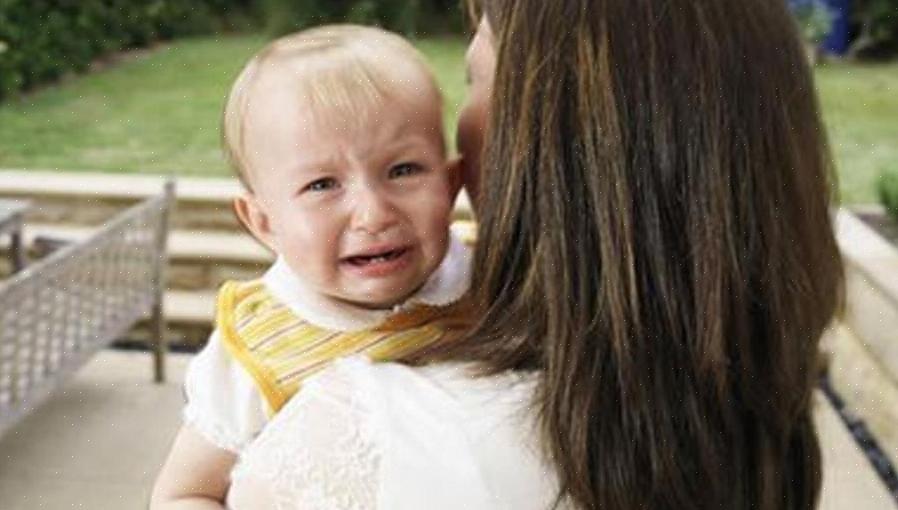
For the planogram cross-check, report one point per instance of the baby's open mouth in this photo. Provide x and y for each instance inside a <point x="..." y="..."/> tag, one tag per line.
<point x="364" y="260"/>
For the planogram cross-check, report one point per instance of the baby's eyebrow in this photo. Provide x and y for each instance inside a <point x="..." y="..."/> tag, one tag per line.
<point x="314" y="164"/>
<point x="406" y="143"/>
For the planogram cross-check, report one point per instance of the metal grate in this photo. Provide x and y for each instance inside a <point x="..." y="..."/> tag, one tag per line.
<point x="56" y="313"/>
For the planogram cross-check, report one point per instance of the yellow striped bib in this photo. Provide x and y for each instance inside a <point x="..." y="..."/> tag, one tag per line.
<point x="279" y="349"/>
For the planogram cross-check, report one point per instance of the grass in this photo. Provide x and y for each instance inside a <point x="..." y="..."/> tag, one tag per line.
<point x="158" y="113"/>
<point x="860" y="108"/>
<point x="155" y="113"/>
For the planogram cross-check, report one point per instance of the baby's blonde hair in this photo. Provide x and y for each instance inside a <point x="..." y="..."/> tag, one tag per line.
<point x="339" y="70"/>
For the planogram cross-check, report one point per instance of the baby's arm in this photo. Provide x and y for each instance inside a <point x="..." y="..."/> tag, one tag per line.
<point x="195" y="476"/>
<point x="224" y="412"/>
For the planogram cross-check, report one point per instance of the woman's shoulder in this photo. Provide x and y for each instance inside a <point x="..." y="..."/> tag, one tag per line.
<point x="442" y="388"/>
<point x="467" y="440"/>
<point x="410" y="437"/>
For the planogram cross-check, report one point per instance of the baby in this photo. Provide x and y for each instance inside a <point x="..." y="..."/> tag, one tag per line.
<point x="336" y="134"/>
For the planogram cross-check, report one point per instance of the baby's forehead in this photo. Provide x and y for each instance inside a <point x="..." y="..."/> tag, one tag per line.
<point x="346" y="87"/>
<point x="333" y="81"/>
<point x="318" y="132"/>
<point x="388" y="126"/>
<point x="330" y="103"/>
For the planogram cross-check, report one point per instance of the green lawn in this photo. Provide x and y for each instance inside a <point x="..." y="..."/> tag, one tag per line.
<point x="860" y="107"/>
<point x="159" y="113"/>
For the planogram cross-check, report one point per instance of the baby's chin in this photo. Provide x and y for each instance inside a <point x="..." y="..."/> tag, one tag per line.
<point x="380" y="299"/>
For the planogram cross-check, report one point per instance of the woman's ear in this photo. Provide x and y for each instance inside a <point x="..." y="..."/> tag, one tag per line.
<point x="254" y="219"/>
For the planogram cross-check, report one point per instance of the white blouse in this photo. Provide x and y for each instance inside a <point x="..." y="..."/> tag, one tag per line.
<point x="223" y="402"/>
<point x="369" y="436"/>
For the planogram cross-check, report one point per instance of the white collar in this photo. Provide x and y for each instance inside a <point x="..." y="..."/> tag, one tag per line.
<point x="446" y="285"/>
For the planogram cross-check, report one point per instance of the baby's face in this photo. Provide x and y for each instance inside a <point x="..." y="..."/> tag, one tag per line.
<point x="359" y="210"/>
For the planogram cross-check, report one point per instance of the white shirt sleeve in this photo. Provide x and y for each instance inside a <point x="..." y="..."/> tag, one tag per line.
<point x="223" y="402"/>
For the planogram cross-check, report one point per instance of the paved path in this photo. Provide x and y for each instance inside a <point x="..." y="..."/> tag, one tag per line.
<point x="98" y="445"/>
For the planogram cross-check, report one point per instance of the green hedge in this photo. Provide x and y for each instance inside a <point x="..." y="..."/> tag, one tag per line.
<point x="888" y="192"/>
<point x="877" y="28"/>
<point x="409" y="17"/>
<point x="41" y="40"/>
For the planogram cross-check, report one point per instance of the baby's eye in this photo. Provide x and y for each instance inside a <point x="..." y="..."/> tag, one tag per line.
<point x="405" y="169"/>
<point x="323" y="184"/>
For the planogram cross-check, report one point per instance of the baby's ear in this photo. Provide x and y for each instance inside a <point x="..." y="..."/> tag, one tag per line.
<point x="254" y="219"/>
<point x="456" y="179"/>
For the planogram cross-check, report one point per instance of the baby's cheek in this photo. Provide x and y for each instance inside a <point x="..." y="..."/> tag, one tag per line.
<point x="438" y="238"/>
<point x="310" y="245"/>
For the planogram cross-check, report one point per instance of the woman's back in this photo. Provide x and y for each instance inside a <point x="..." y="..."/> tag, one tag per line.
<point x="389" y="436"/>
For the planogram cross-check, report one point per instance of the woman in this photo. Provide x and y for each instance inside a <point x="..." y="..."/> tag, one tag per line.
<point x="655" y="269"/>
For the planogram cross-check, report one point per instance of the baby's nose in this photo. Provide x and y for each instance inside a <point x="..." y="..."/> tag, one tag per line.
<point x="373" y="213"/>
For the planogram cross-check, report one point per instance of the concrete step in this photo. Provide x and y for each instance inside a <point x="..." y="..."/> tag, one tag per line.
<point x="189" y="319"/>
<point x="182" y="244"/>
<point x="90" y="198"/>
<point x="863" y="380"/>
<point x="864" y="356"/>
<point x="189" y="308"/>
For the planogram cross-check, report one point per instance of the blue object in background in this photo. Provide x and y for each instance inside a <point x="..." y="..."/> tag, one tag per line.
<point x="836" y="41"/>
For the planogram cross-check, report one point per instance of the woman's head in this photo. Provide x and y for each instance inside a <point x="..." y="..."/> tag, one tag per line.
<point x="480" y="66"/>
<point x="655" y="196"/>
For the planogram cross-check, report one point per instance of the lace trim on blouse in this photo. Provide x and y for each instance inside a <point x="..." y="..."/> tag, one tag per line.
<point x="320" y="451"/>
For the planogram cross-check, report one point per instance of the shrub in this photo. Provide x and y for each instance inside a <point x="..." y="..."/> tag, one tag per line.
<point x="877" y="23"/>
<point x="887" y="187"/>
<point x="41" y="40"/>
<point x="814" y="17"/>
<point x="408" y="17"/>
<point x="284" y="16"/>
<point x="45" y="39"/>
<point x="172" y="19"/>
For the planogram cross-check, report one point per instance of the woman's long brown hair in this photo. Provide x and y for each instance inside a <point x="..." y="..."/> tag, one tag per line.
<point x="655" y="237"/>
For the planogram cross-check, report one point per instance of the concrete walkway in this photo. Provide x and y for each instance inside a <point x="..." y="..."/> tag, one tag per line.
<point x="98" y="445"/>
